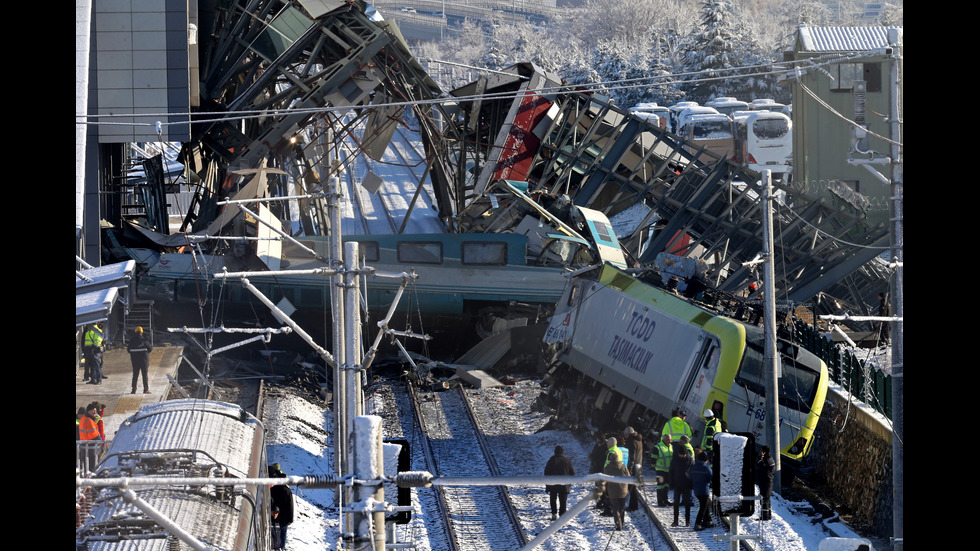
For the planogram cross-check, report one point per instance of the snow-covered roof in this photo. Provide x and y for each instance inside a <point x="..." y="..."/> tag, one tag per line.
<point x="841" y="39"/>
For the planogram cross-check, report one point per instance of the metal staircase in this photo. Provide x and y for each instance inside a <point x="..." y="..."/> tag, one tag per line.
<point x="140" y="314"/>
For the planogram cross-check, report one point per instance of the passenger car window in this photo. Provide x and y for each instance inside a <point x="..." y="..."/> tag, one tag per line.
<point x="485" y="253"/>
<point x="420" y="252"/>
<point x="369" y="251"/>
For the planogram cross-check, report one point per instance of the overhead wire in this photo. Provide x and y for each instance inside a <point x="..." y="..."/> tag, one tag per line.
<point x="775" y="68"/>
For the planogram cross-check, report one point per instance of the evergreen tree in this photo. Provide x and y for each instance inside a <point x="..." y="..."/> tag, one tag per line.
<point x="718" y="50"/>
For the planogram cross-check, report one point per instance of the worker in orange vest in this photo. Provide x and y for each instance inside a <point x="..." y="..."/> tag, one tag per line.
<point x="88" y="430"/>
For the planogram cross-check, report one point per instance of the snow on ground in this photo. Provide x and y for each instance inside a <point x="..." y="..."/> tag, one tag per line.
<point x="299" y="436"/>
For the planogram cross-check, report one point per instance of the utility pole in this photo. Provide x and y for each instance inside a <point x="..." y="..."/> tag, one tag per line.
<point x="897" y="284"/>
<point x="337" y="319"/>
<point x="770" y="356"/>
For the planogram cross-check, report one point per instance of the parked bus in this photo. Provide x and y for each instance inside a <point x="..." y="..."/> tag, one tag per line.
<point x="656" y="114"/>
<point x="675" y="111"/>
<point x="764" y="140"/>
<point x="727" y="105"/>
<point x="769" y="104"/>
<point x="685" y="115"/>
<point x="713" y="131"/>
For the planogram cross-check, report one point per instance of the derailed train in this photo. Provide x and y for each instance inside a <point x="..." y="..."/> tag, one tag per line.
<point x="186" y="439"/>
<point x="638" y="352"/>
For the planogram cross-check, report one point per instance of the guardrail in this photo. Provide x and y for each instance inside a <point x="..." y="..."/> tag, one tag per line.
<point x="88" y="454"/>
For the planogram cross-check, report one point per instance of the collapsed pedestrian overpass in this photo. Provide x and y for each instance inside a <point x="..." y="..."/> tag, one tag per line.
<point x="282" y="83"/>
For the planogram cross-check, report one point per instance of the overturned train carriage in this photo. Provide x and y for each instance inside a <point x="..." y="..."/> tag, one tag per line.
<point x="186" y="439"/>
<point x="642" y="352"/>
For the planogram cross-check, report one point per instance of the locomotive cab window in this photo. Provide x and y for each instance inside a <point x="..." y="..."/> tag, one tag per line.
<point x="797" y="383"/>
<point x="707" y="357"/>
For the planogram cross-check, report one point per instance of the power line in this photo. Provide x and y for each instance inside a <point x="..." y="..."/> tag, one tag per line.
<point x="601" y="86"/>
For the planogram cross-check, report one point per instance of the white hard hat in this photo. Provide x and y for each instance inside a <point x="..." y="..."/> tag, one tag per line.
<point x="709" y="413"/>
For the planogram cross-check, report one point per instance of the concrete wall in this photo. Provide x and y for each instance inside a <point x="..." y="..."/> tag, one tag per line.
<point x="852" y="451"/>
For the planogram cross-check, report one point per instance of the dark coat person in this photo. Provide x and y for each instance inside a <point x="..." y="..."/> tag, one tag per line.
<point x="276" y="531"/>
<point x="558" y="465"/>
<point x="765" y="471"/>
<point x="598" y="455"/>
<point x="884" y="310"/>
<point x="282" y="498"/>
<point x="680" y="481"/>
<point x="701" y="480"/>
<point x="616" y="492"/>
<point x="634" y="443"/>
<point x="139" y="354"/>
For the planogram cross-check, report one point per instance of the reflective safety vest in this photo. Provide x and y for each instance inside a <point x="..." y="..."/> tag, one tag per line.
<point x="676" y="428"/>
<point x="88" y="429"/>
<point x="690" y="449"/>
<point x="712" y="427"/>
<point x="93" y="337"/>
<point x="617" y="451"/>
<point x="624" y="455"/>
<point x="664" y="453"/>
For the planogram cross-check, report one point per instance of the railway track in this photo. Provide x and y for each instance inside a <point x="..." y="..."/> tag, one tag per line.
<point x="481" y="517"/>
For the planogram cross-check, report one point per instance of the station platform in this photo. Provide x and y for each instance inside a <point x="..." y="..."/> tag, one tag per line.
<point x="114" y="391"/>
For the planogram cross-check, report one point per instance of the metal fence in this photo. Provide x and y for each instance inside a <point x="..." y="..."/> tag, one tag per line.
<point x="864" y="382"/>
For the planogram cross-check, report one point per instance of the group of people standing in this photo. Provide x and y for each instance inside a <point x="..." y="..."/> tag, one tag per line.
<point x="93" y="349"/>
<point x="674" y="460"/>
<point x="619" y="455"/>
<point x="93" y="346"/>
<point x="680" y="470"/>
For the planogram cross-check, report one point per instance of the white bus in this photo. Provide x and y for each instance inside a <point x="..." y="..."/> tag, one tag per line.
<point x="727" y="105"/>
<point x="769" y="104"/>
<point x="675" y="111"/>
<point x="657" y="114"/>
<point x="764" y="140"/>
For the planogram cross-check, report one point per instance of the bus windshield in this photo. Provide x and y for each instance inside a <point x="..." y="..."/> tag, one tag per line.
<point x="711" y="130"/>
<point x="770" y="129"/>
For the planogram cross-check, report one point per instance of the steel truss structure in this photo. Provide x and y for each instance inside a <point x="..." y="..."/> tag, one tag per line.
<point x="278" y="85"/>
<point x="576" y="142"/>
<point x="276" y="81"/>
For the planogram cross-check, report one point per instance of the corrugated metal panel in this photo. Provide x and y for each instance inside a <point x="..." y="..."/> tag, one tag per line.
<point x="207" y="425"/>
<point x="842" y="39"/>
<point x="221" y="431"/>
<point x="203" y="517"/>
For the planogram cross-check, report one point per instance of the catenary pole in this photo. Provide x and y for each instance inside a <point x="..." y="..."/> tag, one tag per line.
<point x="770" y="358"/>
<point x="897" y="283"/>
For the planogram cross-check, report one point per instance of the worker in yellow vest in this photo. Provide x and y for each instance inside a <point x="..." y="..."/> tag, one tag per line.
<point x="614" y="449"/>
<point x="712" y="426"/>
<point x="92" y="348"/>
<point x="661" y="454"/>
<point x="677" y="426"/>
